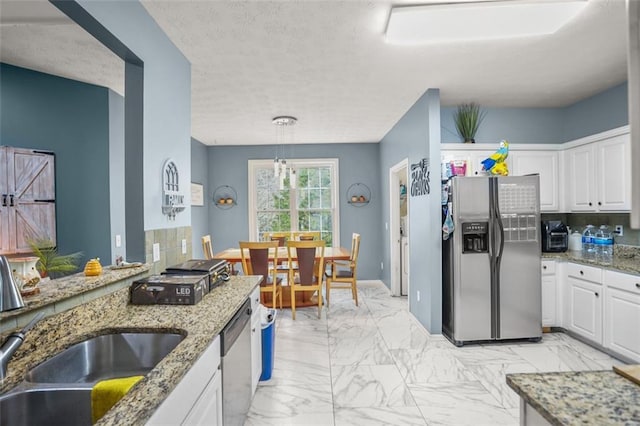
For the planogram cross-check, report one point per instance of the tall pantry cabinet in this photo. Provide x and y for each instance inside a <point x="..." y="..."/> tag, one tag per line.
<point x="27" y="198"/>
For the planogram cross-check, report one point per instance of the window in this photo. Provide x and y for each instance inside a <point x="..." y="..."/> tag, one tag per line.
<point x="311" y="206"/>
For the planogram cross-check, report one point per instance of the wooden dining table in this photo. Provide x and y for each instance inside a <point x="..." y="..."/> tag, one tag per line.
<point x="233" y="256"/>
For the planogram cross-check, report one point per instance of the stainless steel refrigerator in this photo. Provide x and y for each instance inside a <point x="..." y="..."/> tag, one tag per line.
<point x="491" y="261"/>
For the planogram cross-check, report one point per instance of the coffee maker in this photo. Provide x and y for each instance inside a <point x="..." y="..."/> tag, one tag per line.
<point x="555" y="236"/>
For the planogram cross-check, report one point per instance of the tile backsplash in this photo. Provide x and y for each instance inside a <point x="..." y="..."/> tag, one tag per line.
<point x="170" y="240"/>
<point x="578" y="221"/>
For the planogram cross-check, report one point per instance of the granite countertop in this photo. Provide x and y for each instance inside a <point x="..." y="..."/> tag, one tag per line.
<point x="53" y="291"/>
<point x="625" y="259"/>
<point x="580" y="398"/>
<point x="201" y="323"/>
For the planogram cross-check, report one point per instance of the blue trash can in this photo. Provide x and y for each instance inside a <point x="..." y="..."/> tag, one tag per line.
<point x="268" y="345"/>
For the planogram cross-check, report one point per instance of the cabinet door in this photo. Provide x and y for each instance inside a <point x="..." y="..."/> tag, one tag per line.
<point x="585" y="315"/>
<point x="256" y="352"/>
<point x="544" y="163"/>
<point x="548" y="300"/>
<point x="31" y="189"/>
<point x="581" y="178"/>
<point x="208" y="408"/>
<point x="614" y="173"/>
<point x="622" y="323"/>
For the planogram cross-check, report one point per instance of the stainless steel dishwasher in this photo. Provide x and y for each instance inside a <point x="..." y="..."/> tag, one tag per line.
<point x="236" y="366"/>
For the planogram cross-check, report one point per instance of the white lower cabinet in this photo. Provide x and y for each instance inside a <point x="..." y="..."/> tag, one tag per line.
<point x="585" y="301"/>
<point x="622" y="314"/>
<point x="256" y="340"/>
<point x="549" y="303"/>
<point x="197" y="399"/>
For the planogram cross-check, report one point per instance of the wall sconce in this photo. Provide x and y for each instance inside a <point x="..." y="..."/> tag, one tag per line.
<point x="172" y="199"/>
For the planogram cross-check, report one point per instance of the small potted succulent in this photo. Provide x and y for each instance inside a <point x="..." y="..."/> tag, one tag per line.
<point x="468" y="118"/>
<point x="50" y="262"/>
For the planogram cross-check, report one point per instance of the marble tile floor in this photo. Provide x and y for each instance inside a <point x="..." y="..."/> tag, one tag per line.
<point x="376" y="365"/>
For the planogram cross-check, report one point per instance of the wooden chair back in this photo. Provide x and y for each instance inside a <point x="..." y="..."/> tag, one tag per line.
<point x="306" y="235"/>
<point x="310" y="259"/>
<point x="255" y="258"/>
<point x="355" y="250"/>
<point x="207" y="247"/>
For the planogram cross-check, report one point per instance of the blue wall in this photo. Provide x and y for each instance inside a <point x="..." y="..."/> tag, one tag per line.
<point x="603" y="111"/>
<point x="417" y="136"/>
<point x="165" y="91"/>
<point x="200" y="215"/>
<point x="116" y="175"/>
<point x="358" y="163"/>
<point x="72" y="119"/>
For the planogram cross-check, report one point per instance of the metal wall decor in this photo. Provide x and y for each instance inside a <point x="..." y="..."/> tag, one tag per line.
<point x="420" y="178"/>
<point x="358" y="194"/>
<point x="172" y="198"/>
<point x="224" y="197"/>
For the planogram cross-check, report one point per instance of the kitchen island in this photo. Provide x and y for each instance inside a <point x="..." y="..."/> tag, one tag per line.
<point x="112" y="313"/>
<point x="576" y="398"/>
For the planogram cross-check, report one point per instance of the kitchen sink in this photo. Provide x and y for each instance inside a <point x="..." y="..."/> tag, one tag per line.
<point x="46" y="407"/>
<point x="104" y="357"/>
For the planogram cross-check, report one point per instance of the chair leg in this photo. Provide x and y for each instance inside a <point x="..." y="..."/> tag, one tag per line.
<point x="328" y="286"/>
<point x="273" y="298"/>
<point x="280" y="293"/>
<point x="354" y="290"/>
<point x="320" y="301"/>
<point x="293" y="303"/>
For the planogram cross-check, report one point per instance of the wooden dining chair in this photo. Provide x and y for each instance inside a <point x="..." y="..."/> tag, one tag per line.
<point x="343" y="273"/>
<point x="308" y="275"/>
<point x="255" y="261"/>
<point x="207" y="247"/>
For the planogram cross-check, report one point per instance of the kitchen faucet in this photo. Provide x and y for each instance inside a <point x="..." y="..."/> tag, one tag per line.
<point x="13" y="342"/>
<point x="10" y="297"/>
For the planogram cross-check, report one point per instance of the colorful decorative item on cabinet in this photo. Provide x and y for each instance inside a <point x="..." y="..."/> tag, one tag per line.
<point x="496" y="163"/>
<point x="93" y="268"/>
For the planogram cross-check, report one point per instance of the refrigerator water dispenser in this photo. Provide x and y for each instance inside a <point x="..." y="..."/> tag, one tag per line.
<point x="475" y="237"/>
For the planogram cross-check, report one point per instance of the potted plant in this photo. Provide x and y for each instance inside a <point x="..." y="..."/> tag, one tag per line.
<point x="468" y="118"/>
<point x="50" y="262"/>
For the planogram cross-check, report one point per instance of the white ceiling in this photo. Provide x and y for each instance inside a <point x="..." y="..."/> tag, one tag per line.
<point x="326" y="62"/>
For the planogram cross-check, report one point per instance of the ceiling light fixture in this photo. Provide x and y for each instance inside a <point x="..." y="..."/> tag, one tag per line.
<point x="279" y="163"/>
<point x="479" y="21"/>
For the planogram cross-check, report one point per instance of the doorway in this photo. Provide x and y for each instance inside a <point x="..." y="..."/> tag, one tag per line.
<point x="399" y="228"/>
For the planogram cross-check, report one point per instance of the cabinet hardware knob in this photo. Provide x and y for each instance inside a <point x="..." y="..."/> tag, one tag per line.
<point x="544" y="267"/>
<point x="11" y="200"/>
<point x="581" y="272"/>
<point x="637" y="285"/>
<point x="4" y="200"/>
<point x="590" y="203"/>
<point x="599" y="203"/>
<point x="597" y="294"/>
<point x="253" y="330"/>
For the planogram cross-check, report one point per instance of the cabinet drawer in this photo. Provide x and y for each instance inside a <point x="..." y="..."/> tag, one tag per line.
<point x="548" y="267"/>
<point x="627" y="282"/>
<point x="584" y="272"/>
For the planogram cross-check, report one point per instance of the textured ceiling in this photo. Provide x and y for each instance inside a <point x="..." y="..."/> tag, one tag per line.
<point x="326" y="62"/>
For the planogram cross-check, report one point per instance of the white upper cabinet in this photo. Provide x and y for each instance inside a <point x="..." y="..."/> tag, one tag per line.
<point x="613" y="158"/>
<point x="599" y="175"/>
<point x="544" y="163"/>
<point x="581" y="178"/>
